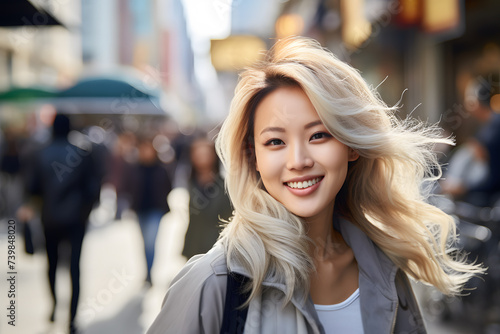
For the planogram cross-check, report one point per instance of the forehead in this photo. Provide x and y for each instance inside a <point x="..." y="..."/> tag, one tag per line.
<point x="283" y="107"/>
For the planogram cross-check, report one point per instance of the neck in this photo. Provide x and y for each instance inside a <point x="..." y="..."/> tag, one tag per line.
<point x="335" y="276"/>
<point x="326" y="241"/>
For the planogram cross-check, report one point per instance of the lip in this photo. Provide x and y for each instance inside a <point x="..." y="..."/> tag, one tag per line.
<point x="304" y="191"/>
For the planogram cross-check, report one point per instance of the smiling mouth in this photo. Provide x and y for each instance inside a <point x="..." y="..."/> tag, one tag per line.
<point x="304" y="184"/>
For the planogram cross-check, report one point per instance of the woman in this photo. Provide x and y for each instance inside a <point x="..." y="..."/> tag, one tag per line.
<point x="207" y="199"/>
<point x="330" y="213"/>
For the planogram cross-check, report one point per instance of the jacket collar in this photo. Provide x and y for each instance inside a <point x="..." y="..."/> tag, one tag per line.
<point x="377" y="273"/>
<point x="302" y="302"/>
<point x="372" y="261"/>
<point x="378" y="295"/>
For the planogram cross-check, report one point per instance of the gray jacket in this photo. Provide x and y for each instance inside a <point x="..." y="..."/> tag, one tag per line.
<point x="195" y="300"/>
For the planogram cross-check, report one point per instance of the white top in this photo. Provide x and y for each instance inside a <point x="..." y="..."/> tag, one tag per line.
<point x="342" y="318"/>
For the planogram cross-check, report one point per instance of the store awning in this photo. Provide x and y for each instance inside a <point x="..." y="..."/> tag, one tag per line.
<point x="105" y="95"/>
<point x="18" y="13"/>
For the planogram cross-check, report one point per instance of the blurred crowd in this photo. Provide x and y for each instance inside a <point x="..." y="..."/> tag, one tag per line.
<point x="53" y="171"/>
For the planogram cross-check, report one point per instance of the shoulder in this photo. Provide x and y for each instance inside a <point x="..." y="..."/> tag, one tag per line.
<point x="194" y="303"/>
<point x="202" y="269"/>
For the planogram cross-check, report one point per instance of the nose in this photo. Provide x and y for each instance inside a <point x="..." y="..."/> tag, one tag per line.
<point x="299" y="157"/>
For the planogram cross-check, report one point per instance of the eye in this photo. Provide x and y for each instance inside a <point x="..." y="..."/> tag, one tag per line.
<point x="320" y="135"/>
<point x="274" y="142"/>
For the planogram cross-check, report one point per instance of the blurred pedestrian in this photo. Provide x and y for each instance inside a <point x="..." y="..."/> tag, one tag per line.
<point x="68" y="180"/>
<point x="11" y="185"/>
<point x="121" y="160"/>
<point x="149" y="185"/>
<point x="474" y="170"/>
<point x="208" y="202"/>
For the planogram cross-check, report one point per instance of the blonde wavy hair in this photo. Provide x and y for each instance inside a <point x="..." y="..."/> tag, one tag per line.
<point x="385" y="192"/>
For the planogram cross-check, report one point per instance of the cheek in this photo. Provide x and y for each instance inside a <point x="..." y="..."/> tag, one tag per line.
<point x="268" y="164"/>
<point x="335" y="159"/>
<point x="335" y="162"/>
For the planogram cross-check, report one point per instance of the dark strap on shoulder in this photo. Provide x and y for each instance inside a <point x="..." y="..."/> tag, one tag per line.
<point x="233" y="321"/>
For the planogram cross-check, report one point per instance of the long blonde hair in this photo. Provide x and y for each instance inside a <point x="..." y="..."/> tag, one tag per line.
<point x="385" y="191"/>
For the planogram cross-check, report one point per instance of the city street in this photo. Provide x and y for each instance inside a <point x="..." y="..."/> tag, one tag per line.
<point x="113" y="297"/>
<point x="141" y="104"/>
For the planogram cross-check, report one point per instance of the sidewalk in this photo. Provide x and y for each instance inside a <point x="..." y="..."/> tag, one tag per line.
<point x="113" y="298"/>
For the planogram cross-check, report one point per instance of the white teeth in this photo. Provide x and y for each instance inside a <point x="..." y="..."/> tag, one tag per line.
<point x="302" y="185"/>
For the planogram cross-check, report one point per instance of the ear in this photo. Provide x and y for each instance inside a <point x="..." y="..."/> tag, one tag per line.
<point x="353" y="155"/>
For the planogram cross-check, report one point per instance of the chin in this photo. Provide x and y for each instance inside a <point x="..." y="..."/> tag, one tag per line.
<point x="304" y="214"/>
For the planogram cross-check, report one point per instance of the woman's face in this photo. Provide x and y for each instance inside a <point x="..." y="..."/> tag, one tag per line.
<point x="301" y="164"/>
<point x="203" y="156"/>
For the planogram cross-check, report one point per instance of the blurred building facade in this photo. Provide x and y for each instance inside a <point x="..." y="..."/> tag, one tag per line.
<point x="33" y="53"/>
<point x="146" y="40"/>
<point x="422" y="48"/>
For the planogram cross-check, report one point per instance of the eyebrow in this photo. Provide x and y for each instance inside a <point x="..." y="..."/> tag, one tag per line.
<point x="278" y="129"/>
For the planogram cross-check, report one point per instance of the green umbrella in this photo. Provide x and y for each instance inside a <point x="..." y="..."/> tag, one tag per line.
<point x="21" y="94"/>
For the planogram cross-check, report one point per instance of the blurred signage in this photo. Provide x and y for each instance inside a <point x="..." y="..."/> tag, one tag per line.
<point x="236" y="52"/>
<point x="410" y="11"/>
<point x="440" y="15"/>
<point x="356" y="28"/>
<point x="433" y="16"/>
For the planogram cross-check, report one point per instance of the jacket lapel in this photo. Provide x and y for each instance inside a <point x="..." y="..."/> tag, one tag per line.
<point x="378" y="295"/>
